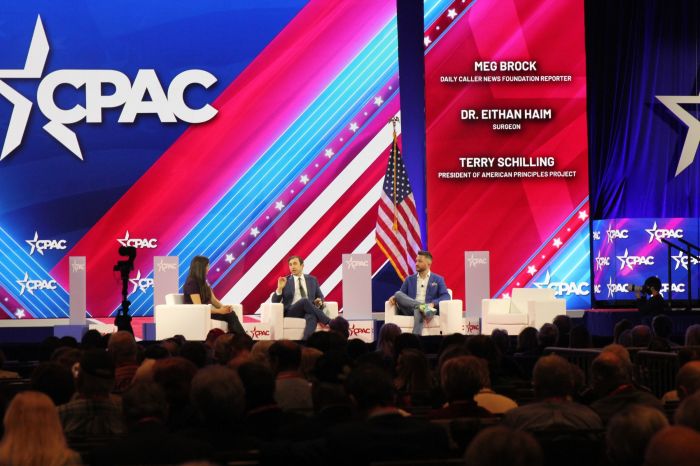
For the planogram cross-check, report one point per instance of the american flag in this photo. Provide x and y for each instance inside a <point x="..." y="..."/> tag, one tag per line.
<point x="398" y="232"/>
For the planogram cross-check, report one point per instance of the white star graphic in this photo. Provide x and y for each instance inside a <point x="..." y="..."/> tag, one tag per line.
<point x="532" y="270"/>
<point x="557" y="243"/>
<point x="452" y="13"/>
<point x="545" y="283"/>
<point x="279" y="205"/>
<point x="505" y="296"/>
<point x="611" y="288"/>
<point x="135" y="281"/>
<point x="7" y="299"/>
<point x="692" y="139"/>
<point x="254" y="232"/>
<point x="354" y="127"/>
<point x="125" y="239"/>
<point x="378" y="101"/>
<point x="329" y="153"/>
<point x="304" y="179"/>
<point x="229" y="258"/>
<point x="426" y="40"/>
<point x="23" y="284"/>
<point x="19" y="313"/>
<point x="32" y="243"/>
<point x="583" y="215"/>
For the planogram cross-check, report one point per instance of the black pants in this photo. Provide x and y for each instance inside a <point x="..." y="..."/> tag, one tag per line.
<point x="234" y="325"/>
<point x="305" y="309"/>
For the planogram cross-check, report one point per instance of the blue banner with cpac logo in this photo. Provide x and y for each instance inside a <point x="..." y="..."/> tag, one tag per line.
<point x="628" y="251"/>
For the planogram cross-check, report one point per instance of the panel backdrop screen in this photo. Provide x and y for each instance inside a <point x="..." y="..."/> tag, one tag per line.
<point x="507" y="158"/>
<point x="243" y="131"/>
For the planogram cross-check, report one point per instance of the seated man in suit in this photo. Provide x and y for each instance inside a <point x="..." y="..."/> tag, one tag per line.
<point x="301" y="296"/>
<point x="421" y="293"/>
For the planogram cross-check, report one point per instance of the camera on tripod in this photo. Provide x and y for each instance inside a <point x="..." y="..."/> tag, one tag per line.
<point x="126" y="266"/>
<point x="650" y="284"/>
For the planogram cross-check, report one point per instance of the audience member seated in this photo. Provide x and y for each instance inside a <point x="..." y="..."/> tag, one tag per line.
<point x="580" y="338"/>
<point x="92" y="339"/>
<point x="340" y="326"/>
<point x="641" y="336"/>
<point x="384" y="434"/>
<point x="55" y="381"/>
<point x="461" y="379"/>
<point x="527" y="351"/>
<point x="629" y="432"/>
<point x="93" y="412"/>
<point x="620" y="327"/>
<point x="563" y="325"/>
<point x="406" y="341"/>
<point x="626" y="338"/>
<point x="326" y="341"/>
<point x="3" y="373"/>
<point x="264" y="419"/>
<point x="33" y="434"/>
<point x="673" y="446"/>
<point x="292" y="390"/>
<point x="122" y="349"/>
<point x="357" y="349"/>
<point x="413" y="381"/>
<point x="547" y="336"/>
<point x="309" y="356"/>
<point x="148" y="440"/>
<point x="687" y="383"/>
<point x="688" y="413"/>
<point x="174" y="375"/>
<point x="66" y="356"/>
<point x="195" y="352"/>
<point x="219" y="401"/>
<point x="553" y="383"/>
<point x="261" y="352"/>
<point x="482" y="346"/>
<point x="613" y="385"/>
<point x="501" y="446"/>
<point x="488" y="399"/>
<point x="692" y="335"/>
<point x="241" y="346"/>
<point x="386" y="340"/>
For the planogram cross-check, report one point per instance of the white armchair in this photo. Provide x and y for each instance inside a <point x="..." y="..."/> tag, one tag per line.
<point x="527" y="307"/>
<point x="193" y="321"/>
<point x="446" y="322"/>
<point x="289" y="328"/>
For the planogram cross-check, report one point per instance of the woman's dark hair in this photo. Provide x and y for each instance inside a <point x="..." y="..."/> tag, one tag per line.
<point x="198" y="273"/>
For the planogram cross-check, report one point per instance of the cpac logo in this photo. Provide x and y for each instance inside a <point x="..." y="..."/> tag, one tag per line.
<point x="601" y="261"/>
<point x="682" y="260"/>
<point x="658" y="233"/>
<point x="256" y="333"/>
<point x="354" y="264"/>
<point x="616" y="288"/>
<point x="470" y="328"/>
<point x="475" y="261"/>
<point x="355" y="330"/>
<point x="77" y="266"/>
<point x="632" y="261"/>
<point x="139" y="243"/>
<point x="676" y="288"/>
<point x="162" y="266"/>
<point x="41" y="245"/>
<point x="564" y="288"/>
<point x="141" y="283"/>
<point x="35" y="285"/>
<point x="169" y="107"/>
<point x="615" y="234"/>
<point x="597" y="289"/>
<point x="596" y="235"/>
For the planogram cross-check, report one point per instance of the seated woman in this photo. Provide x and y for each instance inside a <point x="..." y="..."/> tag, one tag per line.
<point x="197" y="291"/>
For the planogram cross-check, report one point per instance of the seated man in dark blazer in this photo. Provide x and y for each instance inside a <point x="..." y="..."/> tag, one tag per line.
<point x="301" y="296"/>
<point x="421" y="293"/>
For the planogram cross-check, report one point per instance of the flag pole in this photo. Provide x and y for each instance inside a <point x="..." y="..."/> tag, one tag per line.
<point x="395" y="120"/>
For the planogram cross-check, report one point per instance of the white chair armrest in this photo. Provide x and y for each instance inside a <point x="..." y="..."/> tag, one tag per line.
<point x="331" y="309"/>
<point x="273" y="314"/>
<point x="190" y="320"/>
<point x="451" y="316"/>
<point x="389" y="313"/>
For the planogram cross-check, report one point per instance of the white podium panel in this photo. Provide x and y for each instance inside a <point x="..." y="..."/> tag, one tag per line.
<point x="165" y="278"/>
<point x="476" y="282"/>
<point x="77" y="283"/>
<point x="357" y="286"/>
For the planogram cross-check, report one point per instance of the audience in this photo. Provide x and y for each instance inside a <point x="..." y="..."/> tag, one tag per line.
<point x="292" y="390"/>
<point x="54" y="380"/>
<point x="673" y="446"/>
<point x="612" y="383"/>
<point x="688" y="413"/>
<point x="33" y="434"/>
<point x="461" y="379"/>
<point x="630" y="431"/>
<point x="93" y="411"/>
<point x="122" y="349"/>
<point x="563" y="324"/>
<point x="501" y="446"/>
<point x="641" y="336"/>
<point x="553" y="382"/>
<point x="692" y="335"/>
<point x="413" y="380"/>
<point x="3" y="373"/>
<point x="580" y="338"/>
<point x="620" y="327"/>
